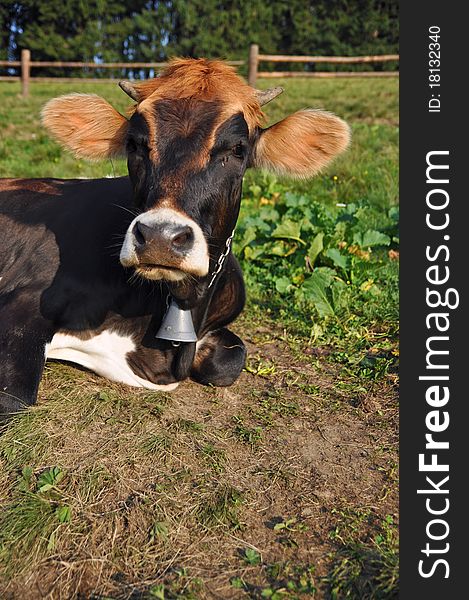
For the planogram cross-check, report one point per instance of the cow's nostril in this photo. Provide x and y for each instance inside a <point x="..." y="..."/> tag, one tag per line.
<point x="174" y="239"/>
<point x="139" y="233"/>
<point x="183" y="239"/>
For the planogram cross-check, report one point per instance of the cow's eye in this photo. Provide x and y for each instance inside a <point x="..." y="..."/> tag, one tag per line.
<point x="238" y="150"/>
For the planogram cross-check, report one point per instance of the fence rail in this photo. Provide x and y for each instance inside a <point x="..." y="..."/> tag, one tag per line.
<point x="325" y="74"/>
<point x="254" y="58"/>
<point x="329" y="59"/>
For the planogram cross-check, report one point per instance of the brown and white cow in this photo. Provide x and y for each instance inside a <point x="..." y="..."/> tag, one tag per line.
<point x="88" y="267"/>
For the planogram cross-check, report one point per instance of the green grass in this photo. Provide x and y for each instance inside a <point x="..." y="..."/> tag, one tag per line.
<point x="356" y="313"/>
<point x="112" y="492"/>
<point x="370" y="106"/>
<point x="365" y="567"/>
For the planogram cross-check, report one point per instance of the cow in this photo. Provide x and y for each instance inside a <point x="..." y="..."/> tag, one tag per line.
<point x="90" y="268"/>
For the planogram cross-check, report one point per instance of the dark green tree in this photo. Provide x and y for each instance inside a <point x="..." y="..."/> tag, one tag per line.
<point x="7" y="16"/>
<point x="78" y="30"/>
<point x="153" y="30"/>
<point x="337" y="27"/>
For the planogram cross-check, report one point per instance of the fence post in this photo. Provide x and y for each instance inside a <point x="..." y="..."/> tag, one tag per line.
<point x="25" y="72"/>
<point x="253" y="62"/>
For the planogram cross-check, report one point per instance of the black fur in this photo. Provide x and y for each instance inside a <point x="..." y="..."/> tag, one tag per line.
<point x="59" y="264"/>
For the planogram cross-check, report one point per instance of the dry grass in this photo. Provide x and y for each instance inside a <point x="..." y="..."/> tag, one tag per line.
<point x="281" y="486"/>
<point x="163" y="494"/>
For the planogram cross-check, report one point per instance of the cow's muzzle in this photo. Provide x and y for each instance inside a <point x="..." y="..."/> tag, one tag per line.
<point x="165" y="244"/>
<point x="167" y="237"/>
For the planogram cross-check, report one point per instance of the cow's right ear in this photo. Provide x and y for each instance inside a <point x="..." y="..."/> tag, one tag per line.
<point x="87" y="125"/>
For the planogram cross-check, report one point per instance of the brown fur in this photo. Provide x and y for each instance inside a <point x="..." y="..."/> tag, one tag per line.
<point x="302" y="144"/>
<point x="41" y="186"/>
<point x="87" y="125"/>
<point x="91" y="128"/>
<point x="206" y="80"/>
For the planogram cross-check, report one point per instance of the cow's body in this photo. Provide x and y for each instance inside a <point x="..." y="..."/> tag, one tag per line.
<point x="64" y="295"/>
<point x="89" y="268"/>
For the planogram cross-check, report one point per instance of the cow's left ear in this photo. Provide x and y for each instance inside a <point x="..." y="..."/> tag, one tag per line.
<point x="302" y="144"/>
<point x="87" y="125"/>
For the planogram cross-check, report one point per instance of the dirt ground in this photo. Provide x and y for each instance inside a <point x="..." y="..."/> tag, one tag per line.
<point x="256" y="490"/>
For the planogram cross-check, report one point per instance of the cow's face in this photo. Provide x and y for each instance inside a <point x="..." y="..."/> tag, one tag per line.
<point x="191" y="135"/>
<point x="186" y="162"/>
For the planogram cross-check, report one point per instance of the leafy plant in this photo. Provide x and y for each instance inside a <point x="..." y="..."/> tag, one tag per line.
<point x="247" y="435"/>
<point x="49" y="479"/>
<point x="251" y="556"/>
<point x="330" y="270"/>
<point x="365" y="566"/>
<point x="290" y="525"/>
<point x="29" y="525"/>
<point x="313" y="251"/>
<point x="221" y="508"/>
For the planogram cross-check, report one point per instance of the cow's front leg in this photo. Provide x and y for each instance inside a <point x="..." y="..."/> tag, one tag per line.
<point x="219" y="358"/>
<point x="22" y="358"/>
<point x="21" y="367"/>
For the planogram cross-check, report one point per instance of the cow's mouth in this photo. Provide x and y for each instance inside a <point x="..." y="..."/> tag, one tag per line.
<point x="157" y="272"/>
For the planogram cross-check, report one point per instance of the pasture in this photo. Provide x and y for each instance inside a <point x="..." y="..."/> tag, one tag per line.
<point x="281" y="486"/>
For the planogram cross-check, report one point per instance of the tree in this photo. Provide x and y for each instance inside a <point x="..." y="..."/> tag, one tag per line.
<point x="153" y="30"/>
<point x="77" y="30"/>
<point x="12" y="17"/>
<point x="7" y="13"/>
<point x="337" y="27"/>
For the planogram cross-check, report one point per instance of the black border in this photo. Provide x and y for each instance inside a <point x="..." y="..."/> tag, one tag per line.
<point x="421" y="132"/>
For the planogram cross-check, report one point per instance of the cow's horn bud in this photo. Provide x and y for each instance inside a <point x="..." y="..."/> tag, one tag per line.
<point x="264" y="96"/>
<point x="129" y="89"/>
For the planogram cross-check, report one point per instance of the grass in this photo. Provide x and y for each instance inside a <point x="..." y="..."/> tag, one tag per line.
<point x="364" y="568"/>
<point x="371" y="107"/>
<point x="281" y="486"/>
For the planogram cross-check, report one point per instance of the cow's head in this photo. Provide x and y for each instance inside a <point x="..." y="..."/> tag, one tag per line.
<point x="189" y="139"/>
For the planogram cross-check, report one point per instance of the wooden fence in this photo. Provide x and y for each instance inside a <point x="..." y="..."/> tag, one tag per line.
<point x="255" y="58"/>
<point x="25" y="65"/>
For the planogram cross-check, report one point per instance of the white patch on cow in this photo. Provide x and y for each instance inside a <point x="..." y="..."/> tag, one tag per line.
<point x="105" y="354"/>
<point x="195" y="262"/>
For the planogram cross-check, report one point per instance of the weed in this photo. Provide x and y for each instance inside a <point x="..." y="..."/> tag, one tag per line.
<point x="256" y="366"/>
<point x="159" y="531"/>
<point x="290" y="525"/>
<point x="326" y="271"/>
<point x="178" y="585"/>
<point x="30" y="523"/>
<point x="187" y="426"/>
<point x="251" y="557"/>
<point x="285" y="581"/>
<point x="247" y="435"/>
<point x="367" y="568"/>
<point x="238" y="583"/>
<point x="48" y="480"/>
<point x="156" y="443"/>
<point x="271" y="403"/>
<point x="214" y="458"/>
<point x="221" y="507"/>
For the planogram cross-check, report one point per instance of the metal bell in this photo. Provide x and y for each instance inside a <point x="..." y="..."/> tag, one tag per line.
<point x="177" y="325"/>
